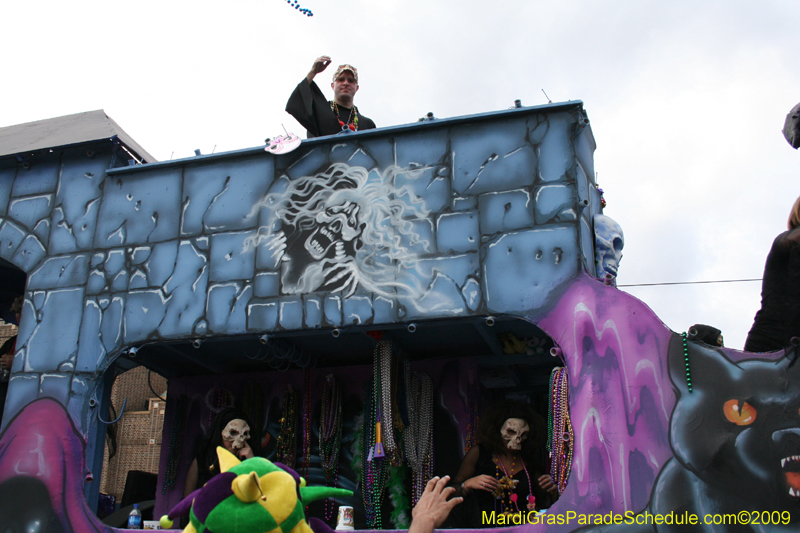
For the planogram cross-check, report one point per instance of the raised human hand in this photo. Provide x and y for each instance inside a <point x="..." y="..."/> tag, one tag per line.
<point x="320" y="64"/>
<point x="433" y="506"/>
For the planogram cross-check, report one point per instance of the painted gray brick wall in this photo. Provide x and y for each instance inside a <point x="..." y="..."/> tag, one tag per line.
<point x="472" y="216"/>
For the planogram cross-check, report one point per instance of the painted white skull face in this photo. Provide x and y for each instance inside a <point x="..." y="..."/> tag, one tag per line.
<point x="336" y="224"/>
<point x="608" y="243"/>
<point x="514" y="432"/>
<point x="235" y="434"/>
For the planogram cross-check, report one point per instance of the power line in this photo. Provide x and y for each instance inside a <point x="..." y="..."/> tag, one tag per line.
<point x="689" y="282"/>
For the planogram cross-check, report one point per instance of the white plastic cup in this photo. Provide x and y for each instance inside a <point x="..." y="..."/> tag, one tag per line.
<point x="345" y="521"/>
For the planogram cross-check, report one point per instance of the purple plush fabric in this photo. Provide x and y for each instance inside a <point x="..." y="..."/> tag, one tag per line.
<point x="216" y="490"/>
<point x="182" y="509"/>
<point x="319" y="526"/>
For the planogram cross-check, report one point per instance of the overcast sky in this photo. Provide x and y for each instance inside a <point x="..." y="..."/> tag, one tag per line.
<point x="686" y="99"/>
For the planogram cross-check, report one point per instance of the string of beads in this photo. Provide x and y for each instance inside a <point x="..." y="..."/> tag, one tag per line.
<point x="472" y="417"/>
<point x="418" y="435"/>
<point x="220" y="399"/>
<point x="384" y="367"/>
<point x="307" y="423"/>
<point x="505" y="493"/>
<point x="686" y="361"/>
<point x="352" y="120"/>
<point x="286" y="447"/>
<point x="373" y="470"/>
<point x="560" y="437"/>
<point x="330" y="436"/>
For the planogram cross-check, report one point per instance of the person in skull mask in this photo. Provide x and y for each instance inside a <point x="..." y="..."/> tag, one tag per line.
<point x="229" y="429"/>
<point x="503" y="472"/>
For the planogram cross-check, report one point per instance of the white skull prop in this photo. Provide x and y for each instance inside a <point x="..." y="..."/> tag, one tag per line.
<point x="514" y="431"/>
<point x="235" y="434"/>
<point x="608" y="243"/>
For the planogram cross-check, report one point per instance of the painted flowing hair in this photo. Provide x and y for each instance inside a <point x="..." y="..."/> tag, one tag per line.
<point x="386" y="218"/>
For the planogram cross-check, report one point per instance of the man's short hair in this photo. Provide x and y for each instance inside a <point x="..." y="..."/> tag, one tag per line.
<point x="344" y="67"/>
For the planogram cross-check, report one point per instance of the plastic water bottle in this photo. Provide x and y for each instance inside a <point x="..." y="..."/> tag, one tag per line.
<point x="135" y="518"/>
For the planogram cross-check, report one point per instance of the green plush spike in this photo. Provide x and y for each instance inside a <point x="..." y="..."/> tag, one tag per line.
<point x="311" y="494"/>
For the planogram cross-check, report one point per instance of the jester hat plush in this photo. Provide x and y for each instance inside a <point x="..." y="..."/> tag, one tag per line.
<point x="252" y="496"/>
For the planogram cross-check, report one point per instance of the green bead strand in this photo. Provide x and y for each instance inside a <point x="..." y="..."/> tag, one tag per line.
<point x="686" y="359"/>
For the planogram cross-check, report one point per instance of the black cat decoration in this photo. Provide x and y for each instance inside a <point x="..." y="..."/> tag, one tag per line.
<point x="735" y="439"/>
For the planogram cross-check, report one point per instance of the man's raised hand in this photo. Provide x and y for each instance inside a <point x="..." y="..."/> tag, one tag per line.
<point x="320" y="64"/>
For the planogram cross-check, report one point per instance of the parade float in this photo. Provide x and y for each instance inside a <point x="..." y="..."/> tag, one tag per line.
<point x="421" y="271"/>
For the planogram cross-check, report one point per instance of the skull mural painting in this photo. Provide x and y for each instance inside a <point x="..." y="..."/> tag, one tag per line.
<point x="609" y="241"/>
<point x="341" y="229"/>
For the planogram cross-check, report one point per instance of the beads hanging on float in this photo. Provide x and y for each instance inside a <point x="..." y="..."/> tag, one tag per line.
<point x="217" y="399"/>
<point x="387" y="440"/>
<point x="387" y="406"/>
<point x="286" y="452"/>
<point x="307" y="423"/>
<point x="418" y="436"/>
<point x="373" y="471"/>
<point x="505" y="494"/>
<point x="471" y="439"/>
<point x="686" y="361"/>
<point x="560" y="437"/>
<point x="330" y="436"/>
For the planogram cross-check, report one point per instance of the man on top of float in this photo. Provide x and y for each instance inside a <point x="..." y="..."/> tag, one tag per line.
<point x="320" y="116"/>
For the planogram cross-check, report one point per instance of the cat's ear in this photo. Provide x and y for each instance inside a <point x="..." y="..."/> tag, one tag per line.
<point x="694" y="364"/>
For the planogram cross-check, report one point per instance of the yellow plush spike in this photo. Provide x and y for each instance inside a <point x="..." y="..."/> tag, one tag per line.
<point x="247" y="487"/>
<point x="280" y="491"/>
<point x="226" y="459"/>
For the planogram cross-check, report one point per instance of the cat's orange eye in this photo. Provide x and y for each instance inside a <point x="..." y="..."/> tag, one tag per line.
<point x="740" y="413"/>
